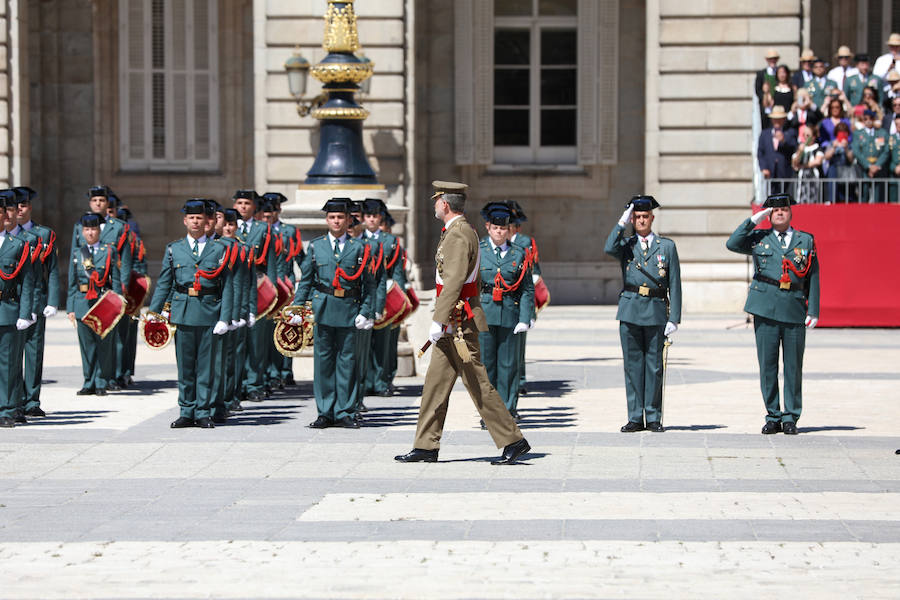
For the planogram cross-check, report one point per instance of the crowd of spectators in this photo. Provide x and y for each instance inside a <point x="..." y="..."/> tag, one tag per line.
<point x="825" y="125"/>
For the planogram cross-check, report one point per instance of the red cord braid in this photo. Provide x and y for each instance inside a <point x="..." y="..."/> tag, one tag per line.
<point x="251" y="256"/>
<point x="22" y="259"/>
<point x="37" y="249"/>
<point x="141" y="251"/>
<point x="377" y="262"/>
<point x="505" y="288"/>
<point x="299" y="248"/>
<point x="94" y="279"/>
<point x="536" y="256"/>
<point x="788" y="265"/>
<point x="122" y="239"/>
<point x="279" y="245"/>
<point x="232" y="254"/>
<point x="394" y="258"/>
<point x="265" y="249"/>
<point x="340" y="273"/>
<point x="404" y="260"/>
<point x="49" y="247"/>
<point x="210" y="274"/>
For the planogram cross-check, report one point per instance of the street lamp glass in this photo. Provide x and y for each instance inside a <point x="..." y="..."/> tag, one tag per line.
<point x="297" y="69"/>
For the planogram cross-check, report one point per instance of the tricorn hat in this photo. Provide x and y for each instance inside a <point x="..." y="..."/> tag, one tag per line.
<point x="643" y="202"/>
<point x="337" y="205"/>
<point x="778" y="201"/>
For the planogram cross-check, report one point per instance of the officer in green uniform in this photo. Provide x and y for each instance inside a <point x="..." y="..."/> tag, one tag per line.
<point x="856" y="83"/>
<point x="127" y="329"/>
<point x="397" y="272"/>
<point x="820" y="86"/>
<point x="871" y="152"/>
<point x="337" y="280"/>
<point x="784" y="301"/>
<point x="16" y="302"/>
<point x="649" y="309"/>
<point x="518" y="238"/>
<point x="257" y="236"/>
<point x="93" y="271"/>
<point x="894" y="146"/>
<point x="507" y="297"/>
<point x="196" y="276"/>
<point x="234" y="353"/>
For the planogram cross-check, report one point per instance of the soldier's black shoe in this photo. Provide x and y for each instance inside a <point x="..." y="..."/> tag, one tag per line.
<point x="320" y="423"/>
<point x="278" y="384"/>
<point x="21" y="419"/>
<point x="789" y="428"/>
<point x="129" y="380"/>
<point x="417" y="455"/>
<point x="85" y="391"/>
<point x="237" y="407"/>
<point x="385" y="393"/>
<point x="113" y="386"/>
<point x="35" y="412"/>
<point x="523" y="391"/>
<point x="289" y="380"/>
<point x="121" y="382"/>
<point x="512" y="452"/>
<point x="631" y="427"/>
<point x="182" y="422"/>
<point x="100" y="392"/>
<point x="7" y="422"/>
<point x="347" y="423"/>
<point x="655" y="426"/>
<point x="483" y="426"/>
<point x="363" y="408"/>
<point x="254" y="397"/>
<point x="771" y="427"/>
<point x="220" y="419"/>
<point x="204" y="423"/>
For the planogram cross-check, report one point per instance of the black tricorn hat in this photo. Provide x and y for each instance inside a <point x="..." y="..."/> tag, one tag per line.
<point x="91" y="219"/>
<point x="25" y="193"/>
<point x="778" y="201"/>
<point x="338" y="205"/>
<point x="194" y="206"/>
<point x="373" y="206"/>
<point x="643" y="202"/>
<point x="231" y="215"/>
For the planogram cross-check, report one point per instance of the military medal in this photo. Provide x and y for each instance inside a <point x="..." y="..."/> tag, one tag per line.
<point x="88" y="263"/>
<point x="660" y="263"/>
<point x="662" y="272"/>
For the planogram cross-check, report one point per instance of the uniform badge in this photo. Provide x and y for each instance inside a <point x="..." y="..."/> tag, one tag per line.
<point x="88" y="263"/>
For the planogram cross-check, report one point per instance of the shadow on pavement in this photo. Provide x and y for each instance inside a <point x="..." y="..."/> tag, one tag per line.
<point x="68" y="417"/>
<point x="828" y="428"/>
<point x="575" y="360"/>
<point x="390" y="416"/>
<point x="144" y="388"/>
<point x="693" y="427"/>
<point x="522" y="461"/>
<point x="547" y="417"/>
<point x="549" y="388"/>
<point x="408" y="390"/>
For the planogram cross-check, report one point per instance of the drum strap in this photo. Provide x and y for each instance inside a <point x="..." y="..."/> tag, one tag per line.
<point x="340" y="273"/>
<point x="94" y="279"/>
<point x="22" y="259"/>
<point x="49" y="247"/>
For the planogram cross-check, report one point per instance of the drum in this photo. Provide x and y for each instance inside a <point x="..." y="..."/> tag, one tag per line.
<point x="413" y="300"/>
<point x="137" y="293"/>
<point x="285" y="295"/>
<point x="396" y="303"/>
<point x="541" y="295"/>
<point x="105" y="313"/>
<point x="290" y="340"/>
<point x="156" y="333"/>
<point x="266" y="296"/>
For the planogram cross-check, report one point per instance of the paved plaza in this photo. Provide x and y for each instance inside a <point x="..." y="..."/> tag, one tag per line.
<point x="101" y="499"/>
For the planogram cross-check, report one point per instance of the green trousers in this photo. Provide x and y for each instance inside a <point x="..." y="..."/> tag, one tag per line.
<point x="195" y="350"/>
<point x="33" y="339"/>
<point x="523" y="337"/>
<point x="257" y="357"/>
<point x="126" y="347"/>
<point x="274" y="358"/>
<point x="500" y="355"/>
<point x="221" y="374"/>
<point x="363" y="352"/>
<point x="642" y="347"/>
<point x="240" y="361"/>
<point x="392" y="353"/>
<point x="11" y="341"/>
<point x="335" y="371"/>
<point x="98" y="365"/>
<point x="378" y="377"/>
<point x="770" y="337"/>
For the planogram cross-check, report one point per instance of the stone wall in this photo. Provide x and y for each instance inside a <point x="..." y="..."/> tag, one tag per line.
<point x="5" y="105"/>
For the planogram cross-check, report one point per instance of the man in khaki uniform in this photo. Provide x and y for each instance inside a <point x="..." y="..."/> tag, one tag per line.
<point x="458" y="306"/>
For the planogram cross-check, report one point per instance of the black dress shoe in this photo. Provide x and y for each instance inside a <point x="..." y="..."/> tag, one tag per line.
<point x="35" y="412"/>
<point x="385" y="393"/>
<point x="21" y="419"/>
<point x="483" y="426"/>
<point x="182" y="422"/>
<point x="100" y="392"/>
<point x="347" y="423"/>
<point x="85" y="391"/>
<point x="236" y="408"/>
<point x="113" y="386"/>
<point x="220" y="419"/>
<point x="277" y="384"/>
<point x="631" y="427"/>
<point x="289" y="380"/>
<point x="204" y="423"/>
<point x="121" y="382"/>
<point x="363" y="408"/>
<point x="7" y="422"/>
<point x="129" y="380"/>
<point x="655" y="426"/>
<point x="512" y="452"/>
<point x="789" y="428"/>
<point x="320" y="423"/>
<point x="771" y="427"/>
<point x="417" y="455"/>
<point x="523" y="391"/>
<point x="254" y="397"/>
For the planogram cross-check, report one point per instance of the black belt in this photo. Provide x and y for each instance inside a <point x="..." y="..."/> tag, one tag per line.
<point x="488" y="288"/>
<point x="342" y="293"/>
<point x="776" y="283"/>
<point x="9" y="294"/>
<point x="189" y="290"/>
<point x="646" y="290"/>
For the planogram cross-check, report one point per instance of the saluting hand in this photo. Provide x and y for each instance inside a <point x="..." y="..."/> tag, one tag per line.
<point x="626" y="216"/>
<point x="758" y="217"/>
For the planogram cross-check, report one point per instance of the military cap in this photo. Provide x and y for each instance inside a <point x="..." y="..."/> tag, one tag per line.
<point x="499" y="214"/>
<point x="373" y="206"/>
<point x="219" y="208"/>
<point x="354" y="221"/>
<point x="210" y="206"/>
<point x="269" y="206"/>
<point x="25" y="193"/>
<point x="8" y="199"/>
<point x="388" y="219"/>
<point x="247" y="195"/>
<point x="124" y="214"/>
<point x="778" y="201"/>
<point x="642" y="202"/>
<point x="91" y="219"/>
<point x="194" y="206"/>
<point x="517" y="213"/>
<point x="113" y="200"/>
<point x="448" y="187"/>
<point x="356" y="206"/>
<point x="490" y="206"/>
<point x="231" y="215"/>
<point x="98" y="190"/>
<point x="277" y="198"/>
<point x="337" y="205"/>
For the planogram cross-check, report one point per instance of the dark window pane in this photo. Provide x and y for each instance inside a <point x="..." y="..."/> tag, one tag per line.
<point x="557" y="7"/>
<point x="512" y="8"/>
<point x="511" y="47"/>
<point x="558" y="47"/>
<point x="557" y="86"/>
<point x="511" y="87"/>
<point x="510" y="127"/>
<point x="558" y="127"/>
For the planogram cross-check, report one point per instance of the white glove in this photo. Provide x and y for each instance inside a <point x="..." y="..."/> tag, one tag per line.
<point x="378" y="316"/>
<point x="241" y="322"/>
<point x="49" y="311"/>
<point x="520" y="327"/>
<point x="535" y="278"/>
<point x="296" y="320"/>
<point x="233" y="325"/>
<point x="435" y="331"/>
<point x="811" y="322"/>
<point x="220" y="328"/>
<point x="626" y="216"/>
<point x="22" y="324"/>
<point x="531" y="324"/>
<point x="407" y="286"/>
<point x="360" y="322"/>
<point x="758" y="217"/>
<point x="33" y="318"/>
<point x="370" y="323"/>
<point x="670" y="329"/>
<point x="251" y="320"/>
<point x="165" y="315"/>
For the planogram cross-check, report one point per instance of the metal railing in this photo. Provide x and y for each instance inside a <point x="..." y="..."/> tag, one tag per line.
<point x="820" y="190"/>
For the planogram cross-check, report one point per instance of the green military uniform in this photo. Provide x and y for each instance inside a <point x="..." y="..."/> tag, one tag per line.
<point x="529" y="245"/>
<point x="856" y="83"/>
<point x="397" y="272"/>
<point x="384" y="341"/>
<point x="818" y="88"/>
<point x="338" y="299"/>
<point x="779" y="313"/>
<point x="870" y="147"/>
<point x="16" y="303"/>
<point x="508" y="302"/>
<point x="364" y="336"/>
<point x="649" y="300"/>
<point x="894" y="146"/>
<point x="195" y="313"/>
<point x="127" y="329"/>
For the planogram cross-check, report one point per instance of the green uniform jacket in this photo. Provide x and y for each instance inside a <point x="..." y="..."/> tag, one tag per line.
<point x="178" y="269"/>
<point x="516" y="306"/>
<point x="80" y="269"/>
<point x="376" y="259"/>
<point x="855" y="85"/>
<point x="290" y="240"/>
<point x="20" y="288"/>
<point x="46" y="266"/>
<point x="318" y="269"/>
<point x="262" y="242"/>
<point x="237" y="278"/>
<point x="117" y="233"/>
<point x="770" y="301"/>
<point x="456" y="258"/>
<point x="817" y="91"/>
<point x="661" y="262"/>
<point x="34" y="242"/>
<point x="394" y="263"/>
<point x="867" y="149"/>
<point x="894" y="145"/>
<point x="527" y="243"/>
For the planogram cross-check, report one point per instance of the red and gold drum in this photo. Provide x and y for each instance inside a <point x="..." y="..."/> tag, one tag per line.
<point x="541" y="295"/>
<point x="266" y="296"/>
<point x="290" y="339"/>
<point x="136" y="293"/>
<point x="156" y="332"/>
<point x="396" y="303"/>
<point x="413" y="301"/>
<point x="285" y="295"/>
<point x="105" y="313"/>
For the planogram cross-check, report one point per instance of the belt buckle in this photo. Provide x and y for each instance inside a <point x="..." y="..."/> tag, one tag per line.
<point x="644" y="290"/>
<point x="338" y="293"/>
<point x="82" y="287"/>
<point x="784" y="285"/>
<point x="193" y="292"/>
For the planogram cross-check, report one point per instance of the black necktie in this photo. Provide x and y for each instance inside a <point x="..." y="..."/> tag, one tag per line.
<point x="783" y="236"/>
